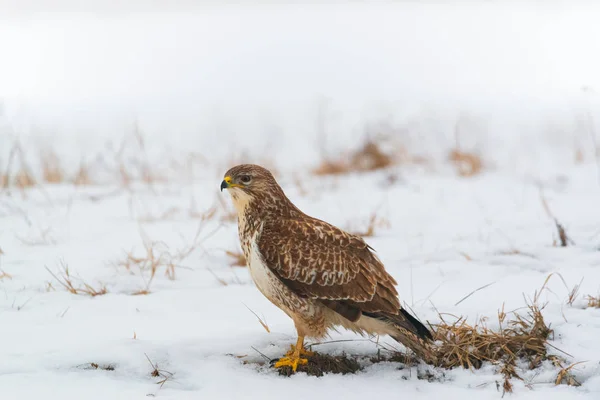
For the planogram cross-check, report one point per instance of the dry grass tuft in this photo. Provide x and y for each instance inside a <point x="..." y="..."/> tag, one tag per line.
<point x="157" y="255"/>
<point x="465" y="345"/>
<point x="4" y="275"/>
<point x="521" y="340"/>
<point x="238" y="258"/>
<point x="153" y="259"/>
<point x="562" y="235"/>
<point x="369" y="157"/>
<point x="574" y="293"/>
<point x="52" y="172"/>
<point x="565" y="377"/>
<point x="332" y="167"/>
<point x="159" y="373"/>
<point x="82" y="176"/>
<point x="467" y="164"/>
<point x="66" y="280"/>
<point x="141" y="292"/>
<point x="24" y="178"/>
<point x="104" y="367"/>
<point x="564" y="239"/>
<point x="519" y="343"/>
<point x="593" y="302"/>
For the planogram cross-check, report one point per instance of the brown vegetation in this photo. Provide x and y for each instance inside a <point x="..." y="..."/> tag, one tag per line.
<point x="52" y="171"/>
<point x="159" y="373"/>
<point x="369" y="157"/>
<point x="4" y="275"/>
<point x="320" y="364"/>
<point x="563" y="237"/>
<point x="82" y="176"/>
<point x="104" y="367"/>
<point x="238" y="258"/>
<point x="157" y="255"/>
<point x="22" y="178"/>
<point x="66" y="280"/>
<point x="520" y="342"/>
<point x="466" y="164"/>
<point x="522" y="338"/>
<point x="593" y="301"/>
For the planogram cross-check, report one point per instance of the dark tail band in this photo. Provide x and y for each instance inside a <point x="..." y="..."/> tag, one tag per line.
<point x="421" y="330"/>
<point x="405" y="321"/>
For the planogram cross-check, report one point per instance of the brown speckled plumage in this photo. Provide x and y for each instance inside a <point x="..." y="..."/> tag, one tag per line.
<point x="320" y="275"/>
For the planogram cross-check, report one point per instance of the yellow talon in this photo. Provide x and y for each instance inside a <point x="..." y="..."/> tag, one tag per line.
<point x="291" y="362"/>
<point x="292" y="357"/>
<point x="301" y="352"/>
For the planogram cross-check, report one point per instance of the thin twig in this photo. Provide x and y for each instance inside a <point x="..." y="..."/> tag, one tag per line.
<point x="473" y="292"/>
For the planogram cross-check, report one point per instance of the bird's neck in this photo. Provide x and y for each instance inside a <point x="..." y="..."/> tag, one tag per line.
<point x="254" y="212"/>
<point x="263" y="208"/>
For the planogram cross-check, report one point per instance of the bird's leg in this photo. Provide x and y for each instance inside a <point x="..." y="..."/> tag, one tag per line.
<point x="300" y="348"/>
<point x="292" y="357"/>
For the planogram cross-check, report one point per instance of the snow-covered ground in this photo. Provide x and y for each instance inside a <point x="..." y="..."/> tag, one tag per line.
<point x="280" y="86"/>
<point x="446" y="237"/>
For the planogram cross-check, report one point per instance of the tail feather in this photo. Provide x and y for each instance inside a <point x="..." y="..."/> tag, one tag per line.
<point x="410" y="332"/>
<point x="403" y="320"/>
<point x="420" y="329"/>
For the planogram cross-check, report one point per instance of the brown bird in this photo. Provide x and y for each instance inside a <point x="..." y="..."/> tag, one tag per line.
<point x="321" y="276"/>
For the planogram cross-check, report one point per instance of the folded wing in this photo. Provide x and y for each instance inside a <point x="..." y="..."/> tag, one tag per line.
<point x="320" y="261"/>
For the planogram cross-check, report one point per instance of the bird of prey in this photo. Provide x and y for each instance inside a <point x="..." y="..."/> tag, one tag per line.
<point x="321" y="276"/>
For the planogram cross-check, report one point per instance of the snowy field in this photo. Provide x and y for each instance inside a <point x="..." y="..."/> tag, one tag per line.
<point x="157" y="102"/>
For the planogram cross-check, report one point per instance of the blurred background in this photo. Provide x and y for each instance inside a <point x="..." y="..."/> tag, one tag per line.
<point x="119" y="119"/>
<point x="290" y="85"/>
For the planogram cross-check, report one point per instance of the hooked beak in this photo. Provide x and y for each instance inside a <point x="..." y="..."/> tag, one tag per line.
<point x="226" y="183"/>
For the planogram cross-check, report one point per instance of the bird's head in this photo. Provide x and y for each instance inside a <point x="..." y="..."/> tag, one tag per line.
<point x="249" y="183"/>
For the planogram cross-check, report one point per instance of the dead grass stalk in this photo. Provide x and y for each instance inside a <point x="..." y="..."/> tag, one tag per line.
<point x="66" y="280"/>
<point x="238" y="258"/>
<point x="159" y="373"/>
<point x="593" y="301"/>
<point x="519" y="340"/>
<point x="466" y="163"/>
<point x="369" y="157"/>
<point x="564" y="239"/>
<point x="157" y="255"/>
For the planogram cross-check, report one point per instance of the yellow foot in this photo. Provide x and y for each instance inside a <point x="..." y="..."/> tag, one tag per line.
<point x="292" y="357"/>
<point x="291" y="361"/>
<point x="301" y="352"/>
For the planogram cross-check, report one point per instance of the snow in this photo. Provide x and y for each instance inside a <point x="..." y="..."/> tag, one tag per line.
<point x="229" y="81"/>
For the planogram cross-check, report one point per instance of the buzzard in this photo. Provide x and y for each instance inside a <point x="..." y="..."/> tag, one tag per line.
<point x="321" y="276"/>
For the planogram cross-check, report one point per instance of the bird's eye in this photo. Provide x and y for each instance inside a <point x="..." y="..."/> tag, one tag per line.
<point x="245" y="178"/>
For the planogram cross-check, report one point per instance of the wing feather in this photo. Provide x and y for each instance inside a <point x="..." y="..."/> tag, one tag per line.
<point x="320" y="261"/>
